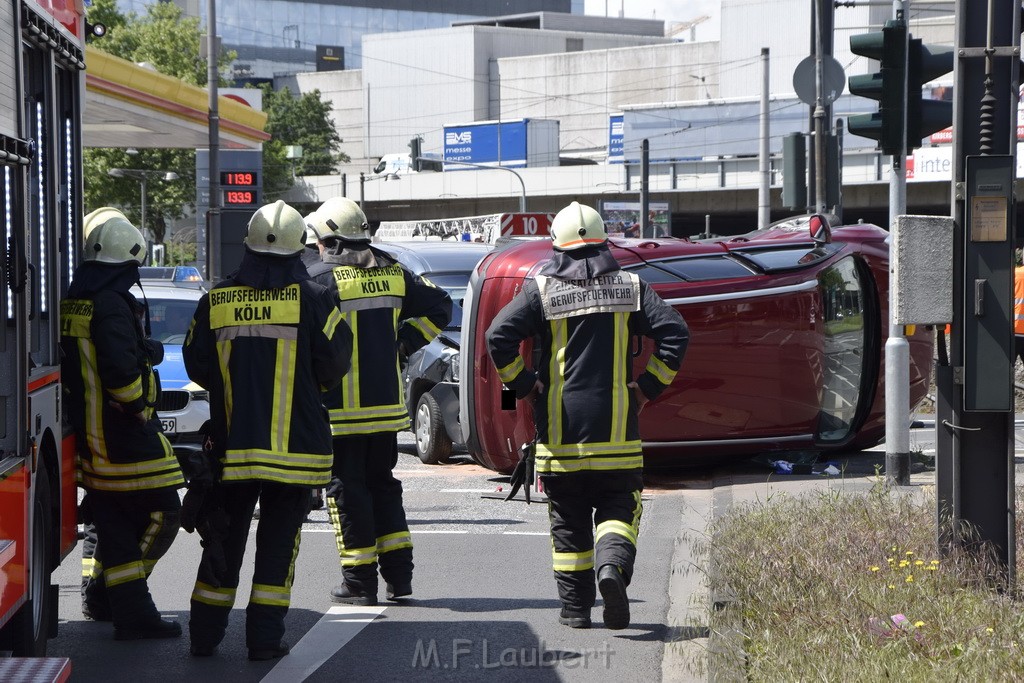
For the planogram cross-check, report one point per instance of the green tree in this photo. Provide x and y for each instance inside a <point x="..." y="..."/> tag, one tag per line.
<point x="168" y="42"/>
<point x="304" y="121"/>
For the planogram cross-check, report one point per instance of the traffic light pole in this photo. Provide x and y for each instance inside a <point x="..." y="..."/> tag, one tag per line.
<point x="897" y="348"/>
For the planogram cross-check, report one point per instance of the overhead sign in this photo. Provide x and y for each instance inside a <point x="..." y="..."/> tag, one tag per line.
<point x="616" y="135"/>
<point x="526" y="224"/>
<point x="486" y="143"/>
<point x="330" y="58"/>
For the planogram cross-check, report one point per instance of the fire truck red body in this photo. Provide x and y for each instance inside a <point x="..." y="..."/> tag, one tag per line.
<point x="41" y="94"/>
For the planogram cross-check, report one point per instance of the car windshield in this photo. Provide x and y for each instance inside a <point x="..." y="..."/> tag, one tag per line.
<point x="453" y="283"/>
<point x="169" y="319"/>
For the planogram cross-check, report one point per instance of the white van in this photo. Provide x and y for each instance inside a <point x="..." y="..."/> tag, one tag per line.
<point x="394" y="164"/>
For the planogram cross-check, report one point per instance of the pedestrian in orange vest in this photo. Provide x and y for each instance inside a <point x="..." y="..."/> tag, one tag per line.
<point x="1018" y="307"/>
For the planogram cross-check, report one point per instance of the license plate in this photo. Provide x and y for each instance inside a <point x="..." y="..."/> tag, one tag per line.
<point x="169" y="424"/>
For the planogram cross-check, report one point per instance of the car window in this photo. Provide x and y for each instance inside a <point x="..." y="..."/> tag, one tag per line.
<point x="652" y="275"/>
<point x="717" y="267"/>
<point x="788" y="258"/>
<point x="169" y="319"/>
<point x="453" y="283"/>
<point x="845" y="330"/>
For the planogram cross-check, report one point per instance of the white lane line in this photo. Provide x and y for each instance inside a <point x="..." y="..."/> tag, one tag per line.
<point x="525" y="533"/>
<point x="470" y="491"/>
<point x="417" y="532"/>
<point x="340" y="625"/>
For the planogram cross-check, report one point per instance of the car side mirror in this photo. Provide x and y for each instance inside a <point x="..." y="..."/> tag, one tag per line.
<point x="820" y="230"/>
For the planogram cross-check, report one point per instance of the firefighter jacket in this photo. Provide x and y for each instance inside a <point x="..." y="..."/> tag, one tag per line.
<point x="391" y="312"/>
<point x="264" y="342"/>
<point x="107" y="372"/>
<point x="586" y="416"/>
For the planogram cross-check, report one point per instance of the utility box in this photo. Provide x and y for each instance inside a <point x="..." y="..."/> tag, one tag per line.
<point x="921" y="263"/>
<point x="513" y="144"/>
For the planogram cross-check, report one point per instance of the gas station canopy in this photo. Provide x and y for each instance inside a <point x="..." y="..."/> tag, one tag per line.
<point x="127" y="105"/>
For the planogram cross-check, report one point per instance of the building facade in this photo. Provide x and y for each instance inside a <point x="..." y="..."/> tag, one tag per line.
<point x="275" y="37"/>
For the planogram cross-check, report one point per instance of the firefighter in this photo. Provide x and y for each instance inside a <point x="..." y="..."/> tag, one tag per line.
<point x="392" y="313"/>
<point x="94" y="598"/>
<point x="583" y="312"/>
<point x="126" y="465"/>
<point x="262" y="342"/>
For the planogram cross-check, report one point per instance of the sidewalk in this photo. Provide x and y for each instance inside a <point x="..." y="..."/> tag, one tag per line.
<point x="729" y="486"/>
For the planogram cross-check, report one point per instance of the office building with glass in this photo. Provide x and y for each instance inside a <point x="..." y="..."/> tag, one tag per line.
<point x="276" y="37"/>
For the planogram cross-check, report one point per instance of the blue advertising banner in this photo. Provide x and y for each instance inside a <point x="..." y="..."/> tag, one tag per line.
<point x="479" y="144"/>
<point x="616" y="134"/>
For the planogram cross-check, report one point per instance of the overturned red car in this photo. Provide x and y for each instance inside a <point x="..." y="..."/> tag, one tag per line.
<point x="787" y="331"/>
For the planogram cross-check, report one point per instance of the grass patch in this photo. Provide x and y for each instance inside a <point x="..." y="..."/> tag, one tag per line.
<point x="844" y="586"/>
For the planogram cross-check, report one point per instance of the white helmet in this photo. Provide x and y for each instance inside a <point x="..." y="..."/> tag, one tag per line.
<point x="276" y="229"/>
<point x="341" y="217"/>
<point x="115" y="241"/>
<point x="316" y="229"/>
<point x="577" y="226"/>
<point x="98" y="218"/>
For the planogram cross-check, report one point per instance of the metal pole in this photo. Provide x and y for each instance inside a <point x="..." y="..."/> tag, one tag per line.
<point x="142" y="186"/>
<point x="897" y="349"/>
<point x="522" y="183"/>
<point x="645" y="190"/>
<point x="764" y="202"/>
<point x="212" y="81"/>
<point x="819" y="114"/>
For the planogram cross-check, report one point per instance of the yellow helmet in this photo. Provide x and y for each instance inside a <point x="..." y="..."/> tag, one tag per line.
<point x="115" y="241"/>
<point x="577" y="226"/>
<point x="342" y="217"/>
<point x="276" y="229"/>
<point x="98" y="218"/>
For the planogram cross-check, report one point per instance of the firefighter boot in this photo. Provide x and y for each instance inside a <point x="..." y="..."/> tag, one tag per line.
<point x="397" y="591"/>
<point x="345" y="595"/>
<point x="574" y="618"/>
<point x="150" y="628"/>
<point x="616" y="603"/>
<point x="262" y="654"/>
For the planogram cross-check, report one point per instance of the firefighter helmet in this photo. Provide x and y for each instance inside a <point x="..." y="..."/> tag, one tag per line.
<point x="314" y="225"/>
<point x="276" y="229"/>
<point x="342" y="217"/>
<point x="577" y="226"/>
<point x="115" y="241"/>
<point x="98" y="218"/>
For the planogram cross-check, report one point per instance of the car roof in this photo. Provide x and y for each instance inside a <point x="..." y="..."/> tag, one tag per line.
<point x="162" y="289"/>
<point x="437" y="257"/>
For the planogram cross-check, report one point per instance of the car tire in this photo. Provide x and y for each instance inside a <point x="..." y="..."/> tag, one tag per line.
<point x="432" y="443"/>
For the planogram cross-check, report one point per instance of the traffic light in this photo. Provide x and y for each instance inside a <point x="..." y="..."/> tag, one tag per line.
<point x="415" y="152"/>
<point x="925" y="63"/>
<point x="889" y="47"/>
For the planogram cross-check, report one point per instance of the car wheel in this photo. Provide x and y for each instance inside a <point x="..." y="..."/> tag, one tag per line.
<point x="432" y="442"/>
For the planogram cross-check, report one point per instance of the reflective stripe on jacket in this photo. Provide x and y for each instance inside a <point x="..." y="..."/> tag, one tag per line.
<point x="586" y="417"/>
<point x="105" y="364"/>
<point x="264" y="354"/>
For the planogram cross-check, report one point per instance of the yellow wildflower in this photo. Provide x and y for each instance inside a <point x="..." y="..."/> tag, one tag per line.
<point x="918" y="563"/>
<point x="910" y="578"/>
<point x="874" y="569"/>
<point x="918" y="624"/>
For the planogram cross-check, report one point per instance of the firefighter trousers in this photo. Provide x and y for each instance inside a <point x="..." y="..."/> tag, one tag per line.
<point x="125" y="535"/>
<point x="365" y="505"/>
<point x="578" y="503"/>
<point x="283" y="508"/>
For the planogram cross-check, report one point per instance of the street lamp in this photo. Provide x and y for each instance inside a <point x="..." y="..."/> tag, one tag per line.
<point x="522" y="198"/>
<point x="142" y="175"/>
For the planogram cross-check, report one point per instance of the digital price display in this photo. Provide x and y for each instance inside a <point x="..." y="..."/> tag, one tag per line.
<point x="239" y="197"/>
<point x="235" y="178"/>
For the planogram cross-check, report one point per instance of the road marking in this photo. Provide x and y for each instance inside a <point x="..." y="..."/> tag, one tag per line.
<point x="470" y="491"/>
<point x="416" y="532"/>
<point x="340" y="625"/>
<point x="525" y="533"/>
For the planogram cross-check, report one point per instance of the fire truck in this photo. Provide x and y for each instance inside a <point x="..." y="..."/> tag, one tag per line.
<point x="41" y="93"/>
